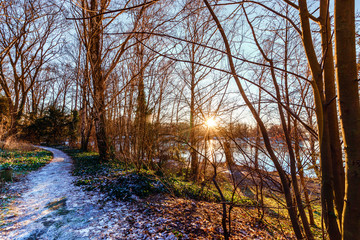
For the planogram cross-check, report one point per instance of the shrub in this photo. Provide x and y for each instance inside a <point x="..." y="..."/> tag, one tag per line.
<point x="53" y="127"/>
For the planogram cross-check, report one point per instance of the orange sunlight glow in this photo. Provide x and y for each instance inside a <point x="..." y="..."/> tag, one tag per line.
<point x="210" y="122"/>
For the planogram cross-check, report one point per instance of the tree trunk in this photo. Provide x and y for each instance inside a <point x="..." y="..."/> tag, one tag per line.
<point x="140" y="122"/>
<point x="348" y="93"/>
<point x="98" y="80"/>
<point x="193" y="153"/>
<point x="327" y="197"/>
<point x="283" y="177"/>
<point x="301" y="175"/>
<point x="338" y="173"/>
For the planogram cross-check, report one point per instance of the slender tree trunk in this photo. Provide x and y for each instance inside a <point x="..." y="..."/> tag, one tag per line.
<point x="327" y="196"/>
<point x="283" y="177"/>
<point x="141" y="122"/>
<point x="338" y="173"/>
<point x="129" y="139"/>
<point x="193" y="143"/>
<point x="292" y="163"/>
<point x="260" y="183"/>
<point x="286" y="129"/>
<point x="301" y="175"/>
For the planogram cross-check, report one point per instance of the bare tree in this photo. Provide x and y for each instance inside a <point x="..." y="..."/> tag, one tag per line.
<point x="28" y="34"/>
<point x="95" y="20"/>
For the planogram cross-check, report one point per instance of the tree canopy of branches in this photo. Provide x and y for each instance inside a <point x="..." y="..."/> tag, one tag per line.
<point x="141" y="80"/>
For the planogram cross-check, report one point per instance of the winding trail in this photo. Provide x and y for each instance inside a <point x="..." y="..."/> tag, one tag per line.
<point x="52" y="207"/>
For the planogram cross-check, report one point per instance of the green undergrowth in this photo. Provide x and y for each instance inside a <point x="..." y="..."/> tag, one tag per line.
<point x="119" y="181"/>
<point x="128" y="184"/>
<point x="24" y="161"/>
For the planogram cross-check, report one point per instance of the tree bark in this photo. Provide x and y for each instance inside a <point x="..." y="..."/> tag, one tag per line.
<point x="327" y="197"/>
<point x="98" y="79"/>
<point x="338" y="174"/>
<point x="348" y="93"/>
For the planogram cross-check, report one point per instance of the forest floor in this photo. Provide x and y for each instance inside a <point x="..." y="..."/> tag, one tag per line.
<point x="50" y="206"/>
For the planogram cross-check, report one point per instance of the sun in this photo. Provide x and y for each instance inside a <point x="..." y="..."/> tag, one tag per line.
<point x="210" y="122"/>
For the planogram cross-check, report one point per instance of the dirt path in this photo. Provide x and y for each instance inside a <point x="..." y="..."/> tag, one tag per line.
<point x="52" y="207"/>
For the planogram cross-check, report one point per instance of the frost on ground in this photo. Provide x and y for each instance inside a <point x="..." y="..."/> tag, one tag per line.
<point x="52" y="207"/>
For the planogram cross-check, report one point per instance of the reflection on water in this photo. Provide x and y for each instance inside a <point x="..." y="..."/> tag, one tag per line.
<point x="244" y="154"/>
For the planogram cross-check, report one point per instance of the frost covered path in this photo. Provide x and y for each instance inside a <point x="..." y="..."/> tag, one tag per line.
<point x="52" y="207"/>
